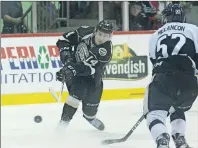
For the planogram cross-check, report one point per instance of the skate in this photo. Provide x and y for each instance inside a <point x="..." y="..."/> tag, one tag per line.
<point x="67" y="115"/>
<point x="163" y="141"/>
<point x="62" y="126"/>
<point x="96" y="123"/>
<point x="180" y="141"/>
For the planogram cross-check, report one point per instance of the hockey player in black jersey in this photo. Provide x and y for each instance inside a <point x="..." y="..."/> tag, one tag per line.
<point x="173" y="51"/>
<point x="84" y="53"/>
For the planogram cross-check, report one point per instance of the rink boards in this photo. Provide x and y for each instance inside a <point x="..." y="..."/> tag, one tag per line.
<point x="45" y="97"/>
<point x="29" y="63"/>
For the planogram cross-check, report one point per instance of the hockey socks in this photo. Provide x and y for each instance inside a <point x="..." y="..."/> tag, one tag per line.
<point x="68" y="112"/>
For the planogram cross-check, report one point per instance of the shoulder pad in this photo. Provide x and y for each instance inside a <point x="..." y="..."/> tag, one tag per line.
<point x="85" y="30"/>
<point x="103" y="52"/>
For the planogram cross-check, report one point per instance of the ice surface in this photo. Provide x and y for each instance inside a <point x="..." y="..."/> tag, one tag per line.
<point x="18" y="129"/>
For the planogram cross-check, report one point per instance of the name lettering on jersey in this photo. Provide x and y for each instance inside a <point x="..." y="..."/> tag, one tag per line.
<point x="171" y="27"/>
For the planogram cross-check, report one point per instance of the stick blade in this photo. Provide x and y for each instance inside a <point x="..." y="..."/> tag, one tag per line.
<point x="112" y="141"/>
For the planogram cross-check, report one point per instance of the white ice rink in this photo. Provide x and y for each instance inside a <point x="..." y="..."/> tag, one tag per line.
<point x="18" y="129"/>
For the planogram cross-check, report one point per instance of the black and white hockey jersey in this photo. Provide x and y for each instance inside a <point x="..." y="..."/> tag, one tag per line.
<point x="87" y="55"/>
<point x="174" y="47"/>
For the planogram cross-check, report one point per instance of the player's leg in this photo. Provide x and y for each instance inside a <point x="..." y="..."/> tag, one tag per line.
<point x="184" y="102"/>
<point x="157" y="103"/>
<point x="90" y="106"/>
<point x="178" y="124"/>
<point x="77" y="90"/>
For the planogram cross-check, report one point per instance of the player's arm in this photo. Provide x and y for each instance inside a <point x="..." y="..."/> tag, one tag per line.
<point x="65" y="44"/>
<point x="70" y="39"/>
<point x="152" y="48"/>
<point x="98" y="55"/>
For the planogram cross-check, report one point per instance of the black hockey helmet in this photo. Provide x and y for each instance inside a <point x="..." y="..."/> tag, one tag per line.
<point x="105" y="26"/>
<point x="174" y="13"/>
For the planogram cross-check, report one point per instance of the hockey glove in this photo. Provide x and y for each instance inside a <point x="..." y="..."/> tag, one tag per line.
<point x="60" y="76"/>
<point x="66" y="73"/>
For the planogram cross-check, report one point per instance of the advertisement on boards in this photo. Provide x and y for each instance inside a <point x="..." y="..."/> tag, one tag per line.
<point x="126" y="64"/>
<point x="29" y="64"/>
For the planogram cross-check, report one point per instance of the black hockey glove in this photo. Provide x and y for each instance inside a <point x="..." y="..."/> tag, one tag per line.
<point x="66" y="73"/>
<point x="60" y="76"/>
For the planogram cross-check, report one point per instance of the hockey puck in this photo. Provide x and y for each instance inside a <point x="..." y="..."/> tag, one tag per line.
<point x="37" y="119"/>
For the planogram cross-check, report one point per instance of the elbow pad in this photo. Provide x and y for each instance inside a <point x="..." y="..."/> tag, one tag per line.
<point x="63" y="45"/>
<point x="65" y="51"/>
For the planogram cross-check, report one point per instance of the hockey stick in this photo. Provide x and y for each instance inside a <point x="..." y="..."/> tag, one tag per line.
<point x="53" y="93"/>
<point x="111" y="141"/>
<point x="61" y="92"/>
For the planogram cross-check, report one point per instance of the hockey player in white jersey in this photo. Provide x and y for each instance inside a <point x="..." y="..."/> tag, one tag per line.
<point x="173" y="51"/>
